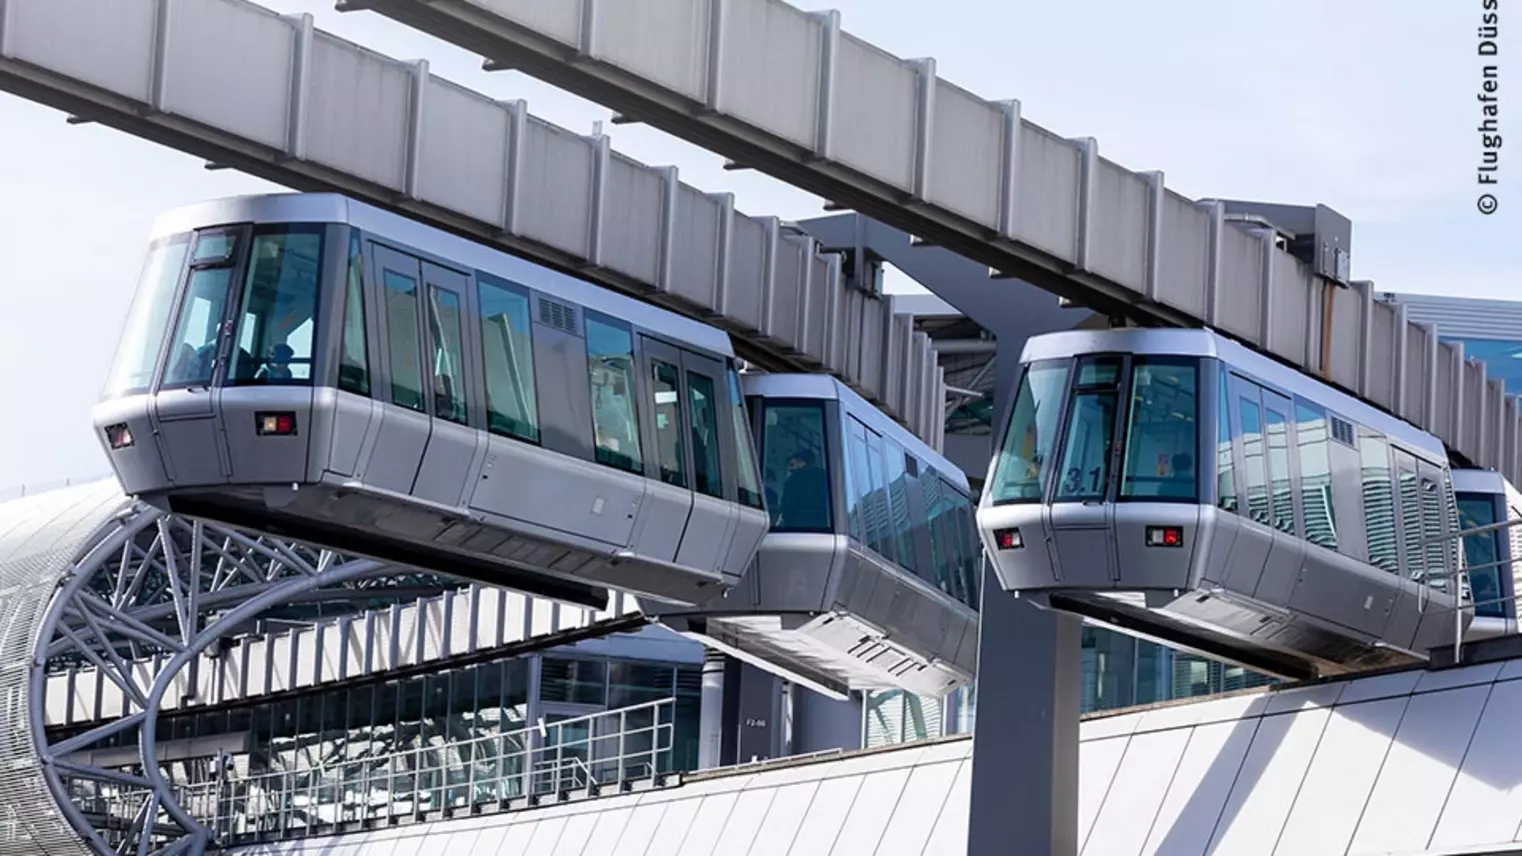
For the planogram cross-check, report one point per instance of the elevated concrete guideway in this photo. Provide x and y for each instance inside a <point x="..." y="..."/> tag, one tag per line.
<point x="310" y="111"/>
<point x="790" y="93"/>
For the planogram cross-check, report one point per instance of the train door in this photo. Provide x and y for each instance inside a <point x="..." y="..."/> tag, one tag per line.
<point x="1077" y="518"/>
<point x="454" y="448"/>
<point x="668" y="496"/>
<point x="1281" y="570"/>
<point x="715" y="513"/>
<point x="199" y="347"/>
<point x="403" y="431"/>
<point x="1255" y="538"/>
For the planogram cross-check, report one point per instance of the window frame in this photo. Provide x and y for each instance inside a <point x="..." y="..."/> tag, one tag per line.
<point x="236" y="263"/>
<point x="1124" y="431"/>
<point x="238" y="314"/>
<point x="481" y="281"/>
<point x="354" y="287"/>
<point x="826" y="450"/>
<point x="639" y="464"/>
<point x="714" y="450"/>
<point x="435" y="343"/>
<point x="1066" y="366"/>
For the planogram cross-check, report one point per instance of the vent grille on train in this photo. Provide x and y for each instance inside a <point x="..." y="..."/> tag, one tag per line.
<point x="558" y="315"/>
<point x="1342" y="431"/>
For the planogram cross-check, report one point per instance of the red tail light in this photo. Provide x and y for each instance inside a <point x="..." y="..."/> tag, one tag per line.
<point x="1165" y="536"/>
<point x="119" y="436"/>
<point x="275" y="424"/>
<point x="1008" y="539"/>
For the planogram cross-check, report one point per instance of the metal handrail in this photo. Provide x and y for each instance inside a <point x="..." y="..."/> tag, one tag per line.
<point x="618" y="747"/>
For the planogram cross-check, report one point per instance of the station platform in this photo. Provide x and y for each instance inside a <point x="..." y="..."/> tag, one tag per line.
<point x="1421" y="761"/>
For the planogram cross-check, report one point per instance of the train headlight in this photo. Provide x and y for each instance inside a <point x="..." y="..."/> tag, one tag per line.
<point x="275" y="424"/>
<point x="1165" y="536"/>
<point x="119" y="436"/>
<point x="1008" y="539"/>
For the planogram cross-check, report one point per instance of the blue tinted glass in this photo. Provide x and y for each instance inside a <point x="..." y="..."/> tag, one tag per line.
<point x="610" y="362"/>
<point x="797" y="466"/>
<point x="1482" y="551"/>
<point x="509" y="353"/>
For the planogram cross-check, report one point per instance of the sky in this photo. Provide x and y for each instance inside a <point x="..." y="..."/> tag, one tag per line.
<point x="1368" y="106"/>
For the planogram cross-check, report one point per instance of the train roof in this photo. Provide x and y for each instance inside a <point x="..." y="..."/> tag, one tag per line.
<point x="823" y="386"/>
<point x="446" y="247"/>
<point x="1487" y="482"/>
<point x="1207" y="343"/>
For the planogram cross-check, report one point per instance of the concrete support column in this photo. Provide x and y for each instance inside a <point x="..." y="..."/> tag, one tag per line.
<point x="1025" y="747"/>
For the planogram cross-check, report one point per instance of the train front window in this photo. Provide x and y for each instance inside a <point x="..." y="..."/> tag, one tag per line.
<point x="148" y="317"/>
<point x="1024" y="463"/>
<point x="193" y="345"/>
<point x="1162" y="439"/>
<point x="279" y="308"/>
<point x="1482" y="552"/>
<point x="797" y="480"/>
<point x="1085" y="470"/>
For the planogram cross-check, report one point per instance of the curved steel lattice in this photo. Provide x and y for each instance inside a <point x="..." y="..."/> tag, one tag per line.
<point x="91" y="578"/>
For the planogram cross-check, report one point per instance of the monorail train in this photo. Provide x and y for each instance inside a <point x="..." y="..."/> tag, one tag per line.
<point x="312" y="366"/>
<point x="869" y="577"/>
<point x="1183" y="487"/>
<point x="1491" y="509"/>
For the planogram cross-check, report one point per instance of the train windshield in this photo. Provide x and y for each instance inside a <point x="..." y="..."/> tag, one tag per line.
<point x="1482" y="553"/>
<point x="147" y="318"/>
<point x="1148" y="403"/>
<point x="247" y="299"/>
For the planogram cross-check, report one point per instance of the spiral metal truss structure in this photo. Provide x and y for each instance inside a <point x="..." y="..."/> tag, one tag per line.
<point x="90" y="578"/>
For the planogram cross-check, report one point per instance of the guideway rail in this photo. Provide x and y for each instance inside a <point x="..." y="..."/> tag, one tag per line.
<point x="792" y="94"/>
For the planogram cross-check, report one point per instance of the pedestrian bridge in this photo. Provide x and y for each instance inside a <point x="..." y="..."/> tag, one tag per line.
<point x="1411" y="762"/>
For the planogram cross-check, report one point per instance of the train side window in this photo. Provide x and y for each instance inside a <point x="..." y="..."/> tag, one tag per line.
<point x="1253" y="463"/>
<point x="354" y="360"/>
<point x="1315" y="475"/>
<point x="615" y="418"/>
<point x="1432" y="530"/>
<point x="1410" y="515"/>
<point x="193" y="347"/>
<point x="1162" y="440"/>
<point x="403" y="339"/>
<point x="665" y="388"/>
<point x="933" y="492"/>
<point x="1379" y="502"/>
<point x="857" y="483"/>
<point x="879" y="511"/>
<point x="508" y="349"/>
<point x="1226" y="482"/>
<point x="898" y="497"/>
<point x="148" y="317"/>
<point x="749" y="482"/>
<point x="279" y="307"/>
<point x="797" y="466"/>
<point x="1283" y="488"/>
<point x="1024" y="459"/>
<point x="448" y="355"/>
<point x="1482" y="551"/>
<point x="705" y="435"/>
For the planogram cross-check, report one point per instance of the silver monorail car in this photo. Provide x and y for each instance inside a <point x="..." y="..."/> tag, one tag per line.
<point x="1183" y="487"/>
<point x="310" y="365"/>
<point x="869" y="576"/>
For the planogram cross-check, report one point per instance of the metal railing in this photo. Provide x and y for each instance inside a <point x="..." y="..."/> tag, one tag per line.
<point x="608" y="751"/>
<point x="1456" y="567"/>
